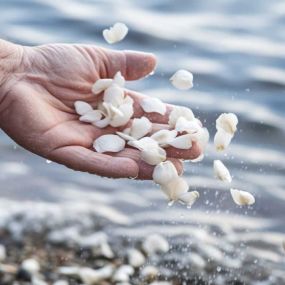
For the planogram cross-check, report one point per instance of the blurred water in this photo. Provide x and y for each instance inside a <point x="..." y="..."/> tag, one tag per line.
<point x="236" y="50"/>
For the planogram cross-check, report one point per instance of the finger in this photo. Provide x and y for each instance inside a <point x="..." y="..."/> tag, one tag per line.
<point x="145" y="170"/>
<point x="132" y="64"/>
<point x="82" y="159"/>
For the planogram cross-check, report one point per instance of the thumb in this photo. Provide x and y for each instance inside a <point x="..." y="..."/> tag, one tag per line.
<point x="132" y="64"/>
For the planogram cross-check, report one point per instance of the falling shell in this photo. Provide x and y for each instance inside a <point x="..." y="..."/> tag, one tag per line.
<point x="189" y="198"/>
<point x="175" y="188"/>
<point x="221" y="172"/>
<point x="182" y="79"/>
<point x="164" y="172"/>
<point x="222" y="140"/>
<point x="242" y="197"/>
<point x="115" y="33"/>
<point x="228" y="122"/>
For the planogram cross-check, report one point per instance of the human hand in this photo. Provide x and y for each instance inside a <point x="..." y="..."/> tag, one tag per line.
<point x="37" y="106"/>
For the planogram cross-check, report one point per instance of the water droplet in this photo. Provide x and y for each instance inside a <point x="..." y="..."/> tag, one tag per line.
<point x="48" y="161"/>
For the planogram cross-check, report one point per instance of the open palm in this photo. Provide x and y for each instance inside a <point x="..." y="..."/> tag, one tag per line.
<point x="39" y="107"/>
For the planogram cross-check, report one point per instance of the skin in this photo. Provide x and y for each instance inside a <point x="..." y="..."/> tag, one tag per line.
<point x="38" y="88"/>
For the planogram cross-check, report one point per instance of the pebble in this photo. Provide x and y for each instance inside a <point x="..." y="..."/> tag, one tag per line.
<point x="149" y="272"/>
<point x="155" y="243"/>
<point x="135" y="258"/>
<point x="31" y="265"/>
<point x="2" y="252"/>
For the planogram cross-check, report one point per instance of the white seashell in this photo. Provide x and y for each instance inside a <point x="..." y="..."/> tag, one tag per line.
<point x="91" y="117"/>
<point x="140" y="127"/>
<point x="242" y="197"/>
<point x="103" y="123"/>
<point x="2" y="253"/>
<point x="123" y="273"/>
<point x="118" y="120"/>
<point x="182" y="79"/>
<point x="155" y="105"/>
<point x="101" y="85"/>
<point x="109" y="143"/>
<point x="221" y="172"/>
<point x="164" y="172"/>
<point x="175" y="188"/>
<point x="90" y="276"/>
<point x="189" y="198"/>
<point x="222" y="140"/>
<point x="163" y="137"/>
<point x="153" y="156"/>
<point x="177" y="112"/>
<point x="201" y="137"/>
<point x="149" y="272"/>
<point x="198" y="159"/>
<point x="31" y="265"/>
<point x="82" y="108"/>
<point x="125" y="136"/>
<point x="182" y="142"/>
<point x="183" y="125"/>
<point x="119" y="79"/>
<point x="115" y="33"/>
<point x="110" y="110"/>
<point x="135" y="258"/>
<point x="114" y="95"/>
<point x="128" y="100"/>
<point x="155" y="243"/>
<point x="228" y="122"/>
<point x="144" y="143"/>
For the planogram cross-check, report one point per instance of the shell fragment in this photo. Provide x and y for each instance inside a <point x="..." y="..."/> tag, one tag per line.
<point x="222" y="140"/>
<point x="164" y="137"/>
<point x="153" y="105"/>
<point x="101" y="85"/>
<point x="180" y="111"/>
<point x="115" y="33"/>
<point x="182" y="79"/>
<point x="182" y="142"/>
<point x="228" y="122"/>
<point x="221" y="172"/>
<point x="242" y="198"/>
<point x="91" y="117"/>
<point x="109" y="143"/>
<point x="82" y="108"/>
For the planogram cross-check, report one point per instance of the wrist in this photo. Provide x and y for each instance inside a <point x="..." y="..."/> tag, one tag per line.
<point x="10" y="59"/>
